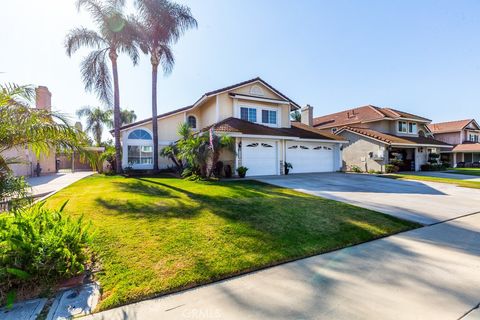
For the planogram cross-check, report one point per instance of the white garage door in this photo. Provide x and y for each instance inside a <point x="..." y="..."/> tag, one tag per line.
<point x="310" y="156"/>
<point x="260" y="157"/>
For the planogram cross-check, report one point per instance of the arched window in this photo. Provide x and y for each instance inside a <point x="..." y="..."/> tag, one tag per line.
<point x="192" y="122"/>
<point x="139" y="134"/>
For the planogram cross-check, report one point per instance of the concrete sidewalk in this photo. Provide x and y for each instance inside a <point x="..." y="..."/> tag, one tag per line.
<point x="428" y="273"/>
<point x="44" y="186"/>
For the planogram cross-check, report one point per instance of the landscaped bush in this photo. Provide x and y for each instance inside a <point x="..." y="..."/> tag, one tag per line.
<point x="39" y="246"/>
<point x="391" y="168"/>
<point x="356" y="169"/>
<point x="434" y="166"/>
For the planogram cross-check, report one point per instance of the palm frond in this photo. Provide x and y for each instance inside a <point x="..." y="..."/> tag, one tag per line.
<point x="96" y="75"/>
<point x="82" y="37"/>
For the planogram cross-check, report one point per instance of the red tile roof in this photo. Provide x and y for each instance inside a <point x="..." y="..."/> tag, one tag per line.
<point x="467" y="147"/>
<point x="450" y="126"/>
<point x="297" y="130"/>
<point x="393" y="139"/>
<point x="362" y="114"/>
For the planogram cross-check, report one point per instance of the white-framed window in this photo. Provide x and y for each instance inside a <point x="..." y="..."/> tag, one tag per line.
<point x="249" y="114"/>
<point x="402" y="126"/>
<point x="139" y="134"/>
<point x="140" y="155"/>
<point x="412" y="127"/>
<point x="473" y="137"/>
<point x="192" y="122"/>
<point x="269" y="116"/>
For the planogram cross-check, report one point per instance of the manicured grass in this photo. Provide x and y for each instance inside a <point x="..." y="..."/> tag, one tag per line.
<point x="160" y="234"/>
<point x="458" y="182"/>
<point x="467" y="171"/>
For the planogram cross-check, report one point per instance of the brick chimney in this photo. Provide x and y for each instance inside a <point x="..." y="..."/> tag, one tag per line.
<point x="43" y="98"/>
<point x="307" y="115"/>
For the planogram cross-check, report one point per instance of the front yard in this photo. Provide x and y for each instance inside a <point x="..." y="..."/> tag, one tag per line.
<point x="160" y="234"/>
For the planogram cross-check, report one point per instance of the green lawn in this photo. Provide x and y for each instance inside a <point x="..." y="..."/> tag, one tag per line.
<point x="160" y="234"/>
<point x="467" y="171"/>
<point x="458" y="182"/>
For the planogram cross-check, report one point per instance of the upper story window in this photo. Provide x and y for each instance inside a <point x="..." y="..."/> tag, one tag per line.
<point x="249" y="114"/>
<point x="473" y="137"/>
<point x="412" y="127"/>
<point x="407" y="127"/>
<point x="192" y="122"/>
<point x="269" y="116"/>
<point x="139" y="134"/>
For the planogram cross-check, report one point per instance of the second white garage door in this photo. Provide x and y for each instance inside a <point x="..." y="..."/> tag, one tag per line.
<point x="260" y="157"/>
<point x="310" y="157"/>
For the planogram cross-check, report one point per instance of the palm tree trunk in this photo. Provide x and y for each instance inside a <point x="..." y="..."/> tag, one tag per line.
<point x="154" y="115"/>
<point x="116" y="114"/>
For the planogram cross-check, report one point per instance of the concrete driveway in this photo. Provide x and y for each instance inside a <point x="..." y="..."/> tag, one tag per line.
<point x="423" y="202"/>
<point x="427" y="273"/>
<point x="45" y="186"/>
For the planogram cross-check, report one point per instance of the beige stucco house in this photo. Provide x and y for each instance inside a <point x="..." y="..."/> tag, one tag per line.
<point x="378" y="135"/>
<point x="27" y="159"/>
<point x="258" y="116"/>
<point x="464" y="135"/>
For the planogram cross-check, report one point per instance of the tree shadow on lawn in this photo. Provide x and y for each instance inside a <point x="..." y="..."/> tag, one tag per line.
<point x="295" y="218"/>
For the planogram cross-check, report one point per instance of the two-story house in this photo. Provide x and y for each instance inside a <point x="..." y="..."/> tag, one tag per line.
<point x="257" y="116"/>
<point x="464" y="135"/>
<point x="377" y="136"/>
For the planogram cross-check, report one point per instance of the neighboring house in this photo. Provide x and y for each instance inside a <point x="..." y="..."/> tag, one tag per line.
<point x="257" y="116"/>
<point x="464" y="135"/>
<point x="28" y="159"/>
<point x="379" y="135"/>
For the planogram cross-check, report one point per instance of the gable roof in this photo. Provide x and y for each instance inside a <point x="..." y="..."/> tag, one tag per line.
<point x="451" y="126"/>
<point x="213" y="93"/>
<point x="393" y="139"/>
<point x="363" y="114"/>
<point x="298" y="130"/>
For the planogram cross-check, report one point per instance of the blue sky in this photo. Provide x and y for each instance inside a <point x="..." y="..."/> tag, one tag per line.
<point x="417" y="56"/>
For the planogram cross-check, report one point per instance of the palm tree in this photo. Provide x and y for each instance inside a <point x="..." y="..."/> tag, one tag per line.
<point x="161" y="24"/>
<point x="40" y="130"/>
<point x="127" y="116"/>
<point x="116" y="35"/>
<point x="96" y="119"/>
<point x="296" y="116"/>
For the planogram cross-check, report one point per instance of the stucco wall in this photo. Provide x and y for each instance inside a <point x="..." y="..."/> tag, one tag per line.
<point x="28" y="161"/>
<point x="450" y="138"/>
<point x="357" y="152"/>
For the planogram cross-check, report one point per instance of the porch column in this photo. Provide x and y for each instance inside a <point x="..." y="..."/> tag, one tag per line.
<point x="454" y="164"/>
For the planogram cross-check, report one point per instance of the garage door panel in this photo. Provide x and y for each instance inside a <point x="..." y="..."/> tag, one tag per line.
<point x="260" y="157"/>
<point x="310" y="157"/>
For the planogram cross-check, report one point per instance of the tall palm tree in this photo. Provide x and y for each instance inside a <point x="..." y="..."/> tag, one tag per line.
<point x="96" y="119"/>
<point x="161" y="24"/>
<point x="116" y="34"/>
<point x="127" y="116"/>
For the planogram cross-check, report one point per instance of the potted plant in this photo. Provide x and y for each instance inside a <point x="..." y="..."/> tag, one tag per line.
<point x="288" y="166"/>
<point x="242" y="171"/>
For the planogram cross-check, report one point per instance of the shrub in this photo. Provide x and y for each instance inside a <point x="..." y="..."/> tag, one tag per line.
<point x="40" y="245"/>
<point x="434" y="166"/>
<point x="355" y="169"/>
<point x="242" y="171"/>
<point x="391" y="168"/>
<point x="14" y="191"/>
